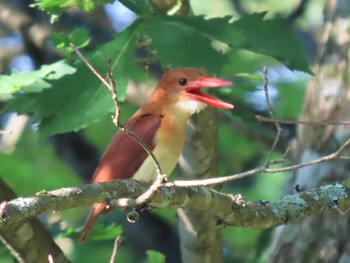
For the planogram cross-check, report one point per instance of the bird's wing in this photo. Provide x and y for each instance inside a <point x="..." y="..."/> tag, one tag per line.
<point x="124" y="155"/>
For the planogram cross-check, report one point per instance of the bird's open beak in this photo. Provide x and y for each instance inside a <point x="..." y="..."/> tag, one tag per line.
<point x="193" y="88"/>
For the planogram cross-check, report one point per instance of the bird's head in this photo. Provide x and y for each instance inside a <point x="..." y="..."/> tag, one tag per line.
<point x="183" y="86"/>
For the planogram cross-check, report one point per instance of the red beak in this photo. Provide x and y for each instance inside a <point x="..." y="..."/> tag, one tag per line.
<point x="193" y="88"/>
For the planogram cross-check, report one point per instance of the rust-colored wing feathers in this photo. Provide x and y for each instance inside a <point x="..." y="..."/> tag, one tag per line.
<point x="122" y="159"/>
<point x="124" y="155"/>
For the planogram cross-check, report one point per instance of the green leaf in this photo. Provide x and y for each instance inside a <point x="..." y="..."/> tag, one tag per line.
<point x="60" y="40"/>
<point x="34" y="81"/>
<point x="33" y="154"/>
<point x="137" y="6"/>
<point x="249" y="76"/>
<point x="79" y="37"/>
<point x="251" y="32"/>
<point x="178" y="45"/>
<point x="77" y="100"/>
<point x="154" y="257"/>
<point x="272" y="38"/>
<point x="100" y="232"/>
<point x="57" y="7"/>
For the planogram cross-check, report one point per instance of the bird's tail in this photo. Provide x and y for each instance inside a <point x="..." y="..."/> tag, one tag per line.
<point x="96" y="210"/>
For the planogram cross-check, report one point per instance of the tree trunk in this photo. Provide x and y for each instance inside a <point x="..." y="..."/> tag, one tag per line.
<point x="199" y="233"/>
<point x="323" y="238"/>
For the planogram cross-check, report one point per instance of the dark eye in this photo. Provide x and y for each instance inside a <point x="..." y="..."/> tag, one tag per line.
<point x="182" y="81"/>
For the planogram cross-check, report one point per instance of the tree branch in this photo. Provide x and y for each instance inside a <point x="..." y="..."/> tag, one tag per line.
<point x="275" y="122"/>
<point x="28" y="240"/>
<point x="295" y="122"/>
<point x="227" y="209"/>
<point x="116" y="244"/>
<point x="264" y="169"/>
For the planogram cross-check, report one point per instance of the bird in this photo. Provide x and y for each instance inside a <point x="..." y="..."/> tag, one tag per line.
<point x="161" y="124"/>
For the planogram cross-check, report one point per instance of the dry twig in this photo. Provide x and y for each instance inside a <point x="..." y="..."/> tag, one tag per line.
<point x="116" y="244"/>
<point x="275" y="122"/>
<point x="294" y="122"/>
<point x="5" y="132"/>
<point x="264" y="169"/>
<point x="50" y="259"/>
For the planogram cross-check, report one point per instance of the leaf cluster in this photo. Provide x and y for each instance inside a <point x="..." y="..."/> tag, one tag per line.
<point x="65" y="96"/>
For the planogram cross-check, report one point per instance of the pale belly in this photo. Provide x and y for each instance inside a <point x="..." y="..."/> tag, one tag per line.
<point x="169" y="141"/>
<point x="147" y="171"/>
<point x="169" y="145"/>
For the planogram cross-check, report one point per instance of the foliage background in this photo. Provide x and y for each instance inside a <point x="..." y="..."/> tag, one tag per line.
<point x="35" y="162"/>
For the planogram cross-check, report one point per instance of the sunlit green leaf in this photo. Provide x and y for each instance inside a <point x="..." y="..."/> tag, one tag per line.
<point x="34" y="81"/>
<point x="77" y="100"/>
<point x="100" y="232"/>
<point x="57" y="7"/>
<point x="154" y="257"/>
<point x="249" y="76"/>
<point x="60" y="40"/>
<point x="79" y="38"/>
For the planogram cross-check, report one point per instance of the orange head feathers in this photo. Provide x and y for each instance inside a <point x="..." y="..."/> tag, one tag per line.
<point x="184" y="84"/>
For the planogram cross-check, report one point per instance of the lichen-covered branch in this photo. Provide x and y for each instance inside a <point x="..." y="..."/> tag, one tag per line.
<point x="28" y="240"/>
<point x="228" y="209"/>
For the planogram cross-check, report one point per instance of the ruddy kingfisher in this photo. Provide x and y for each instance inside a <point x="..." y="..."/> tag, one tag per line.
<point x="161" y="124"/>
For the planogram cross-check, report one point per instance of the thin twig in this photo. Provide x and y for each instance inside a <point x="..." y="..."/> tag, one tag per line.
<point x="341" y="157"/>
<point x="269" y="109"/>
<point x="264" y="169"/>
<point x="112" y="88"/>
<point x="116" y="244"/>
<point x="89" y="65"/>
<point x="2" y="210"/>
<point x="50" y="259"/>
<point x="110" y="85"/>
<point x="5" y="132"/>
<point x="294" y="122"/>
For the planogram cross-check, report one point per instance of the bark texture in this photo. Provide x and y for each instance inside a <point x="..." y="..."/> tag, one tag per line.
<point x="199" y="231"/>
<point x="323" y="238"/>
<point x="28" y="240"/>
<point x="227" y="209"/>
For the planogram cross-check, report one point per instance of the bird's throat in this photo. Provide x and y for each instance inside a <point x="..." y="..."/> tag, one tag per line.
<point x="189" y="107"/>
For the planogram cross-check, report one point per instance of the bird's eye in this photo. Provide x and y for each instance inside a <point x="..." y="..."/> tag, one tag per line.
<point x="182" y="81"/>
